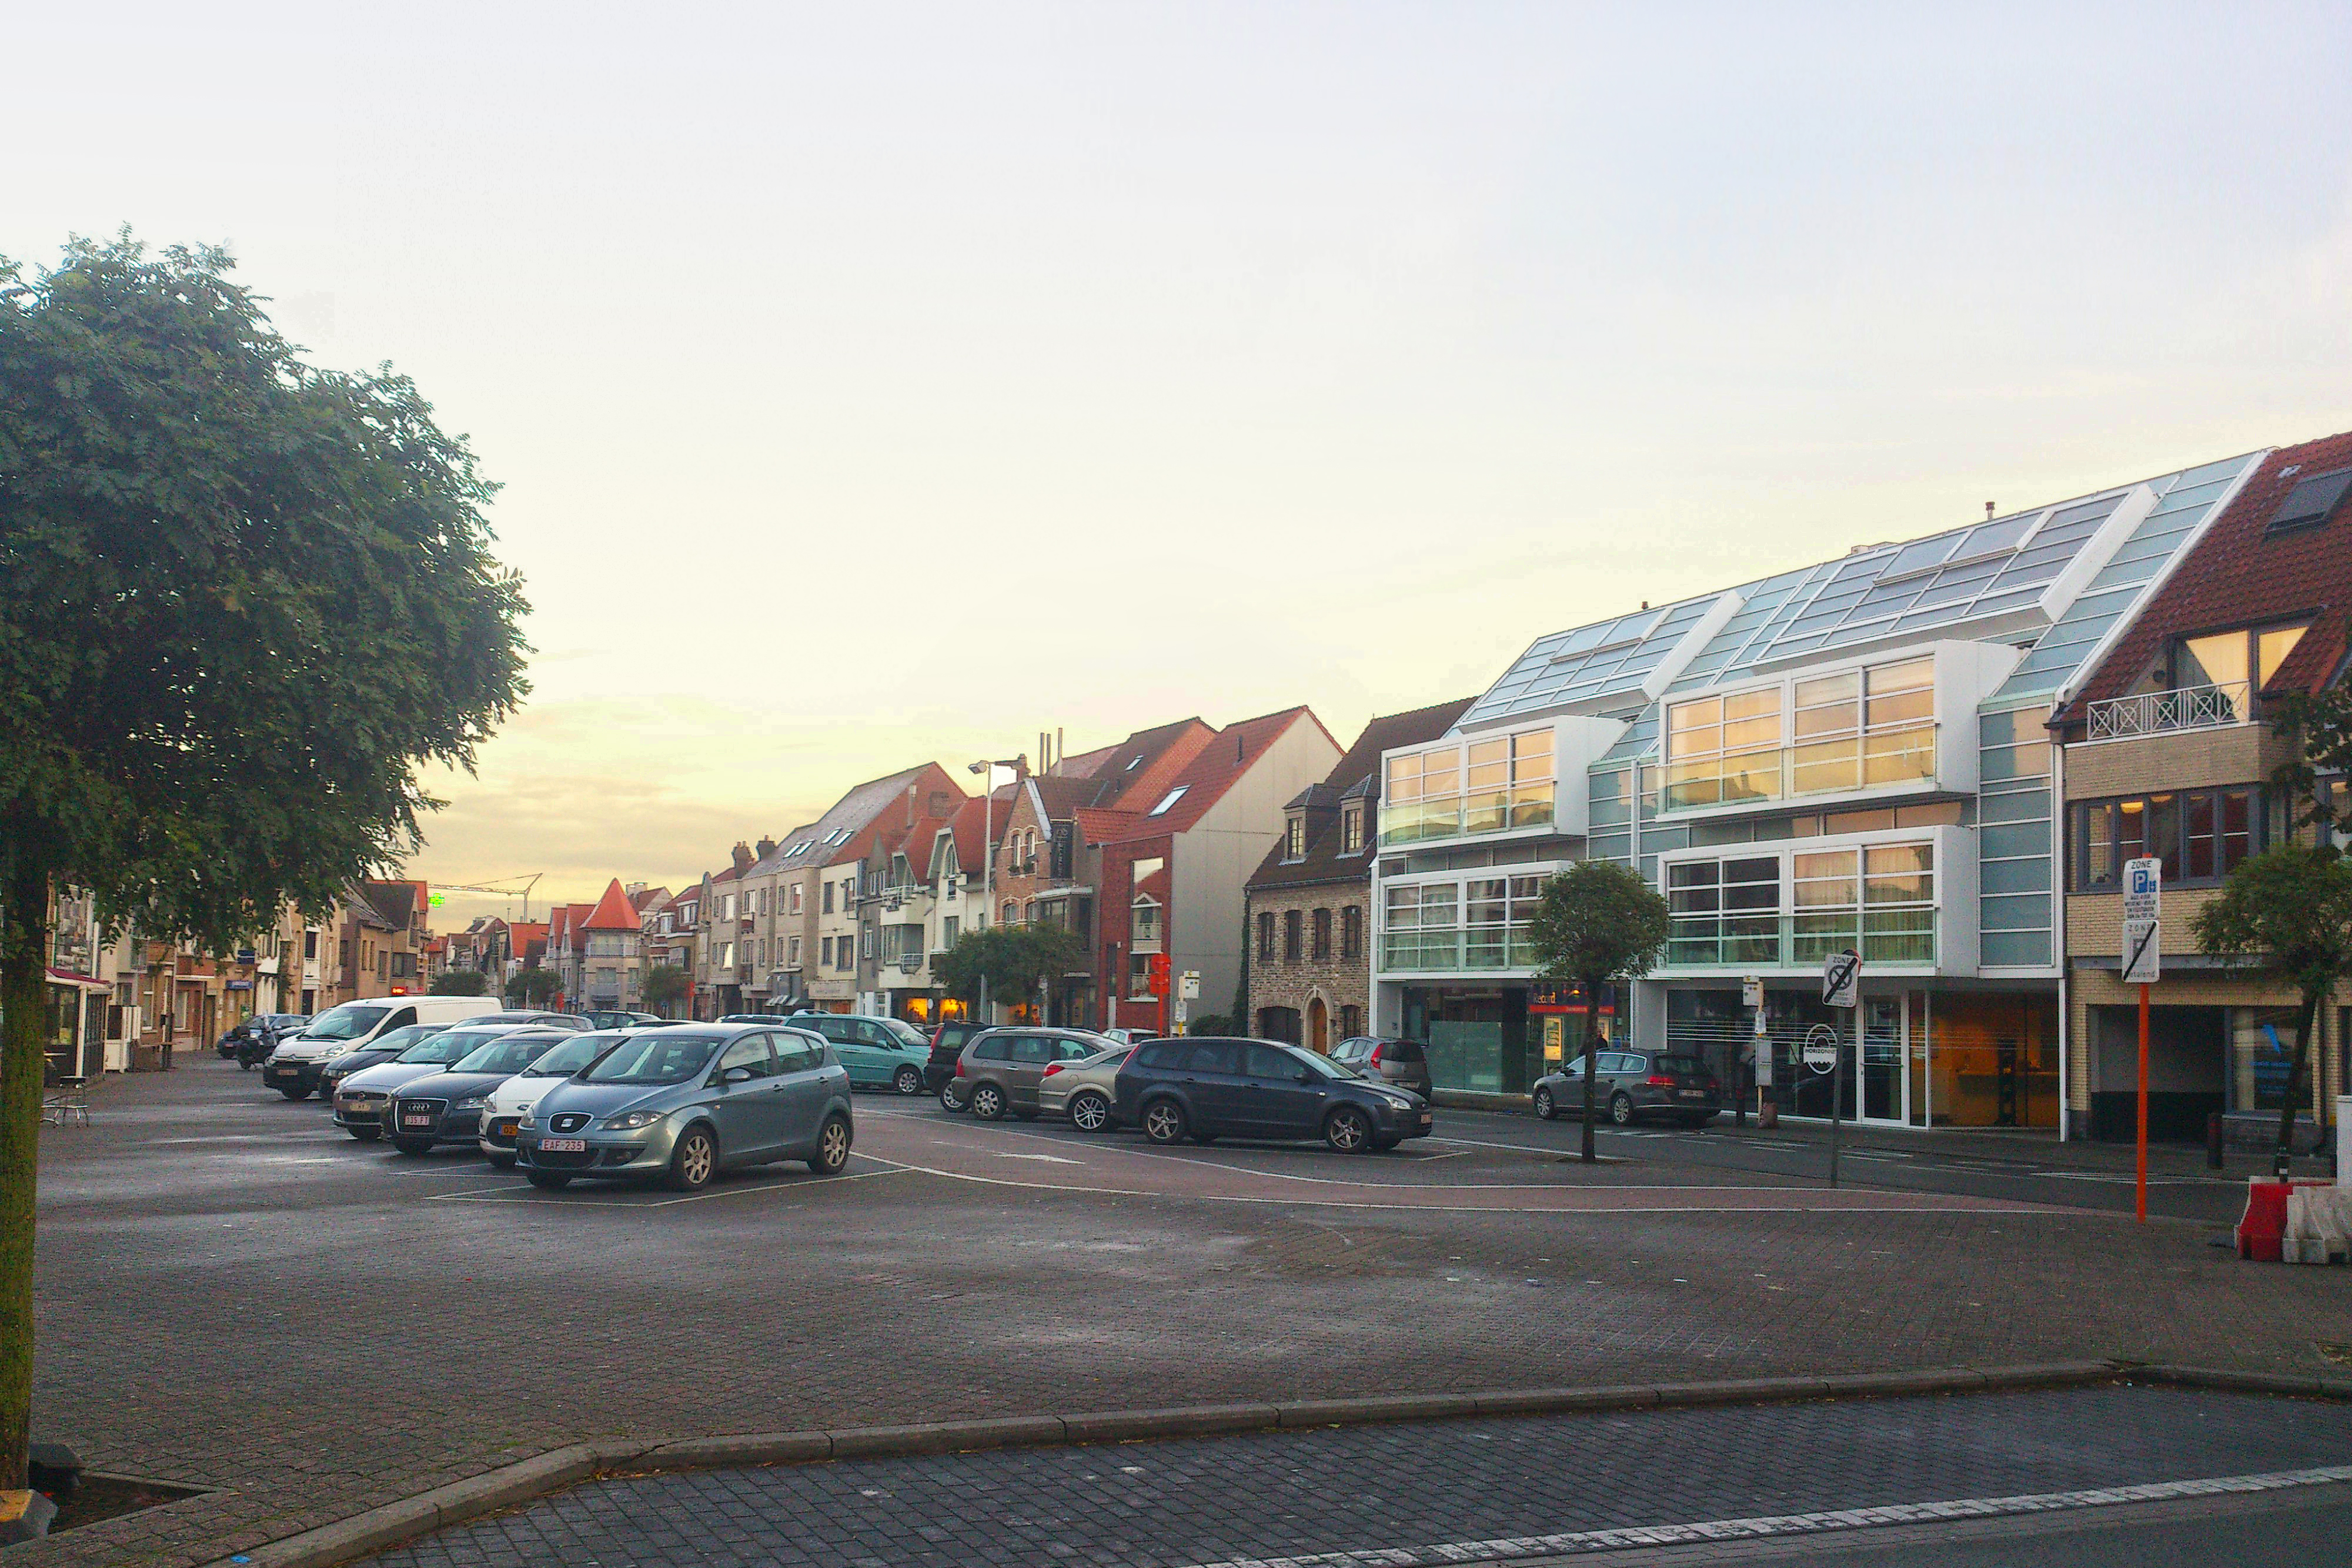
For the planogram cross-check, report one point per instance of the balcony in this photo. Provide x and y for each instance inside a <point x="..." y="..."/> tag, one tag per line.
<point x="2159" y="713"/>
<point x="1451" y="949"/>
<point x="1873" y="762"/>
<point x="1899" y="938"/>
<point x="1459" y="816"/>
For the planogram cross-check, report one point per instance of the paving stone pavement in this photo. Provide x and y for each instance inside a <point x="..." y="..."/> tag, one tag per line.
<point x="232" y="1296"/>
<point x="1424" y="1492"/>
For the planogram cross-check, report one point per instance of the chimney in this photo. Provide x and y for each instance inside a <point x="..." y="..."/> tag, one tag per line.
<point x="1988" y="511"/>
<point x="767" y="846"/>
<point x="743" y="856"/>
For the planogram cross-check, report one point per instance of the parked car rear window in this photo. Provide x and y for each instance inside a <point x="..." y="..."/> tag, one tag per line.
<point x="1157" y="1055"/>
<point x="1213" y="1056"/>
<point x="1690" y="1065"/>
<point x="656" y="1057"/>
<point x="1401" y="1051"/>
<point x="997" y="1049"/>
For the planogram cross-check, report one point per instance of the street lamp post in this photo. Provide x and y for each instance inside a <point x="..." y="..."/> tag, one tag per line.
<point x="988" y="852"/>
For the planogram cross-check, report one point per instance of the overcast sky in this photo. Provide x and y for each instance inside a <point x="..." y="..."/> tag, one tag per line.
<point x="874" y="384"/>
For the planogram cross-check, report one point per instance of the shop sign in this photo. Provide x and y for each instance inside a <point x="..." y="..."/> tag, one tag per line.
<point x="1822" y="1049"/>
<point x="1566" y="997"/>
<point x="2143" y="958"/>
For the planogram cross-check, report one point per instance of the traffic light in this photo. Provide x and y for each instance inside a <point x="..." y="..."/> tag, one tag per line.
<point x="1159" y="974"/>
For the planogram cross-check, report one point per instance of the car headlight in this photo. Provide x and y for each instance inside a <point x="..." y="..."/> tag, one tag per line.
<point x="526" y="1125"/>
<point x="633" y="1120"/>
<point x="476" y="1104"/>
<point x="331" y="1052"/>
<point x="1399" y="1100"/>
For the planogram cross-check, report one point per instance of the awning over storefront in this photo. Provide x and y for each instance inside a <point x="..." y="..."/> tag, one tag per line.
<point x="86" y="982"/>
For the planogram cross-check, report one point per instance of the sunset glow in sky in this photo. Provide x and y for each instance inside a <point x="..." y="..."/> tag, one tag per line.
<point x="872" y="385"/>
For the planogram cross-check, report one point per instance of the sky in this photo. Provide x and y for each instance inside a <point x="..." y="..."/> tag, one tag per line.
<point x="881" y="384"/>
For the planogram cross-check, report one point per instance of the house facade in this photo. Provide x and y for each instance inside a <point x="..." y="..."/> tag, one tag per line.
<point x="1851" y="754"/>
<point x="2166" y="751"/>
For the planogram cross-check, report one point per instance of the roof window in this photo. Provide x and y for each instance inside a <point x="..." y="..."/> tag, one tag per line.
<point x="2311" y="503"/>
<point x="1167" y="801"/>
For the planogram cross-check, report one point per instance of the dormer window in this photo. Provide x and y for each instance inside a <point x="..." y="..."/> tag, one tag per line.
<point x="1294" y="840"/>
<point x="1168" y="800"/>
<point x="1352" y="828"/>
<point x="2310" y="504"/>
<point x="2237" y="665"/>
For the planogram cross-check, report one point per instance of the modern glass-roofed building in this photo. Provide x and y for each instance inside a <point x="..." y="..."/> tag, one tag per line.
<point x="1848" y="754"/>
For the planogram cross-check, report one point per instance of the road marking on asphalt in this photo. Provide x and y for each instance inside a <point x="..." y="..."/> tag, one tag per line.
<point x="776" y="1184"/>
<point x="1508" y="1548"/>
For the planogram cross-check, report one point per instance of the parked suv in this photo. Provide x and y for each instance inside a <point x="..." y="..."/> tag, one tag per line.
<point x="1002" y="1067"/>
<point x="446" y="1107"/>
<point x="880" y="1053"/>
<point x="1634" y="1085"/>
<point x="682" y="1104"/>
<point x="948" y="1041"/>
<point x="1207" y="1088"/>
<point x="1402" y="1063"/>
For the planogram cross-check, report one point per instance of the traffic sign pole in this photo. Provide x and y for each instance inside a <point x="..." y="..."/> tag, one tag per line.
<point x="2140" y="1181"/>
<point x="2143" y="962"/>
<point x="1842" y="988"/>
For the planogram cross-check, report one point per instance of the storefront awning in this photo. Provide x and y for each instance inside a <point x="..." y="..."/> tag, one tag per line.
<point x="86" y="982"/>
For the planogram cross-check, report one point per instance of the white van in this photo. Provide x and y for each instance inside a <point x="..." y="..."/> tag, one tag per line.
<point x="293" y="1068"/>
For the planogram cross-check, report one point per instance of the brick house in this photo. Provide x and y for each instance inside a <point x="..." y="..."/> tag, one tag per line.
<point x="2166" y="751"/>
<point x="1309" y="901"/>
<point x="1169" y="876"/>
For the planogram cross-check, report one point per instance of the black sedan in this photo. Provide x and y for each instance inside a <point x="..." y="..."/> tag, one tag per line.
<point x="384" y="1047"/>
<point x="447" y="1107"/>
<point x="1206" y="1089"/>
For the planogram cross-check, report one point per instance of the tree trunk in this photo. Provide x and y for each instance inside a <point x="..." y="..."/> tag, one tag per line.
<point x="1592" y="1064"/>
<point x="2306" y="1020"/>
<point x="23" y="1008"/>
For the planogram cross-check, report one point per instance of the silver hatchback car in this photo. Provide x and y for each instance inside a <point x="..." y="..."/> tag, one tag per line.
<point x="683" y="1103"/>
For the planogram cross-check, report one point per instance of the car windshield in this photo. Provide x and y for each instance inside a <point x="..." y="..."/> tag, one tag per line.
<point x="507" y="1055"/>
<point x="572" y="1055"/>
<point x="904" y="1033"/>
<point x="1325" y="1066"/>
<point x="442" y="1049"/>
<point x="346" y="1023"/>
<point x="661" y="1057"/>
<point x="406" y="1035"/>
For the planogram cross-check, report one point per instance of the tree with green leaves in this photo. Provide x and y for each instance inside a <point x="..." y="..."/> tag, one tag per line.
<point x="2320" y="725"/>
<point x="532" y="987"/>
<point x="461" y="983"/>
<point x="2287" y="911"/>
<point x="665" y="987"/>
<point x="1597" y="924"/>
<point x="1018" y="960"/>
<point x="244" y="601"/>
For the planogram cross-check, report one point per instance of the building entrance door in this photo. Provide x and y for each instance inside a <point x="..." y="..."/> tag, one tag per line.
<point x="1886" y="1061"/>
<point x="1319" y="1026"/>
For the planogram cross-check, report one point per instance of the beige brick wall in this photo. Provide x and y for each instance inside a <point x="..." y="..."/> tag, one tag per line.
<point x="2191" y="760"/>
<point x="1339" y="981"/>
<point x="2091" y="989"/>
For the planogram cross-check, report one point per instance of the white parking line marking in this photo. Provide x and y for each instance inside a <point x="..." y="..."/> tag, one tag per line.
<point x="777" y="1184"/>
<point x="1648" y="1535"/>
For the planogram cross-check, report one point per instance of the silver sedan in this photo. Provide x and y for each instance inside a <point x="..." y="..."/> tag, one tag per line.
<point x="1083" y="1089"/>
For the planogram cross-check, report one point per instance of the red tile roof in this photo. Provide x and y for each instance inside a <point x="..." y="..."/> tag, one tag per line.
<point x="1211" y="772"/>
<point x="614" y="912"/>
<point x="2234" y="577"/>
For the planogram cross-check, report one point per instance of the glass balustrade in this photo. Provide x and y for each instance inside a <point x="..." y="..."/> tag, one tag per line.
<point x="1882" y="936"/>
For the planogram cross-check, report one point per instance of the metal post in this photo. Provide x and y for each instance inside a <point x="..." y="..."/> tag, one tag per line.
<point x="987" y="870"/>
<point x="2140" y="1182"/>
<point x="1837" y="1093"/>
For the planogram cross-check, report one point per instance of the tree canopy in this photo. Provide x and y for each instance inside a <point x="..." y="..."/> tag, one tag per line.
<point x="1016" y="959"/>
<point x="243" y="601"/>
<point x="461" y="983"/>
<point x="531" y="986"/>
<point x="1599" y="924"/>
<point x="665" y="986"/>
<point x="2289" y="911"/>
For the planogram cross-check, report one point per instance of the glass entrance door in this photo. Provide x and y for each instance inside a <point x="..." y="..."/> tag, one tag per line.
<point x="1885" y="1067"/>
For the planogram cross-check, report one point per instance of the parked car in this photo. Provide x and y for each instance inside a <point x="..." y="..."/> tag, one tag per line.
<point x="268" y="1027"/>
<point x="1633" y="1085"/>
<point x="682" y="1104"/>
<point x="1002" y="1067"/>
<point x="760" y="1017"/>
<point x="1212" y="1088"/>
<point x="880" y="1053"/>
<point x="1132" y="1036"/>
<point x="1084" y="1090"/>
<point x="513" y="1100"/>
<point x="607" y="1017"/>
<point x="948" y="1041"/>
<point x="383" y="1048"/>
<point x="529" y="1015"/>
<point x="293" y="1068"/>
<point x="446" y="1107"/>
<point x="363" y="1100"/>
<point x="1403" y="1062"/>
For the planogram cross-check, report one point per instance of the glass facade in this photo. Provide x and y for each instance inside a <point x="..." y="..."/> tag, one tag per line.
<point x="1840" y="733"/>
<point x="1490" y="786"/>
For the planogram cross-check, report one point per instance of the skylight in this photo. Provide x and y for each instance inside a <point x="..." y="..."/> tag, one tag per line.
<point x="1168" y="800"/>
<point x="2311" y="503"/>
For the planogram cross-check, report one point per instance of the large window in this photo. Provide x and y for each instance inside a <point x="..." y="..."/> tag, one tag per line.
<point x="1854" y="730"/>
<point x="2198" y="836"/>
<point x="1481" y="924"/>
<point x="1265" y="933"/>
<point x="1725" y="912"/>
<point x="2236" y="665"/>
<point x="1320" y="929"/>
<point x="1489" y="786"/>
<point x="1144" y="928"/>
<point x="1351" y="932"/>
<point x="1291" y="920"/>
<point x="1796" y="909"/>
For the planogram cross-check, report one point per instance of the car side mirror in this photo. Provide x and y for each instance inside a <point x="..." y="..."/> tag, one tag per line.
<point x="736" y="1075"/>
<point x="1303" y="1076"/>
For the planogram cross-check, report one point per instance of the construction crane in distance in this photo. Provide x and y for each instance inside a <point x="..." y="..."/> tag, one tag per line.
<point x="434" y="890"/>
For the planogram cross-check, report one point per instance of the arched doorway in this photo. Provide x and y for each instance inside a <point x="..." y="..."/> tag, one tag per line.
<point x="1319" y="1026"/>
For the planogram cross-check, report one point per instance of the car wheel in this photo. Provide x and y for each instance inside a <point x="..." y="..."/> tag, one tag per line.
<point x="947" y="1100"/>
<point x="413" y="1148"/>
<point x="1348" y="1130"/>
<point x="1164" y="1122"/>
<point x="365" y="1134"/>
<point x="1620" y="1109"/>
<point x="1545" y="1106"/>
<point x="907" y="1081"/>
<point x="502" y="1162"/>
<point x="296" y="1092"/>
<point x="1090" y="1112"/>
<point x="694" y="1162"/>
<point x="548" y="1178"/>
<point x="831" y="1147"/>
<point x="988" y="1102"/>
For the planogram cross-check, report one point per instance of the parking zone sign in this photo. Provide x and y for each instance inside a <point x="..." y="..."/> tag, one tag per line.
<point x="2143" y="961"/>
<point x="1842" y="979"/>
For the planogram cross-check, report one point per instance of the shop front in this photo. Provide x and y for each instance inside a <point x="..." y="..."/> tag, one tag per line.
<point x="1478" y="1037"/>
<point x="1925" y="1057"/>
<point x="73" y="1027"/>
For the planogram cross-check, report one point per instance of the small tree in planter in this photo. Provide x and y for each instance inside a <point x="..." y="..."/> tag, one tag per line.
<point x="461" y="983"/>
<point x="1599" y="925"/>
<point x="2288" y="911"/>
<point x="533" y="986"/>
<point x="665" y="986"/>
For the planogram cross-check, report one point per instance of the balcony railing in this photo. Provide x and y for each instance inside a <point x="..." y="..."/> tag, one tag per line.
<point x="1451" y="950"/>
<point x="1847" y="764"/>
<point x="1459" y="816"/>
<point x="1882" y="936"/>
<point x="2154" y="713"/>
